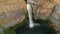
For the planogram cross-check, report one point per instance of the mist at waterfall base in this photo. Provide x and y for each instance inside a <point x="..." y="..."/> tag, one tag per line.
<point x="42" y="29"/>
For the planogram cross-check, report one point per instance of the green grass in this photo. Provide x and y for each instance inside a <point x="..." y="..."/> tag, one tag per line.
<point x="8" y="31"/>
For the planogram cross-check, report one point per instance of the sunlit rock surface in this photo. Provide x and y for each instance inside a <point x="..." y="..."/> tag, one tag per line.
<point x="42" y="8"/>
<point x="12" y="12"/>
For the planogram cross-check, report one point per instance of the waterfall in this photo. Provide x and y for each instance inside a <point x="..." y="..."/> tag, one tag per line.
<point x="29" y="8"/>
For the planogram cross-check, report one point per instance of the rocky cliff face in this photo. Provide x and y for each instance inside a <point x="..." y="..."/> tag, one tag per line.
<point x="47" y="9"/>
<point x="55" y="18"/>
<point x="12" y="12"/>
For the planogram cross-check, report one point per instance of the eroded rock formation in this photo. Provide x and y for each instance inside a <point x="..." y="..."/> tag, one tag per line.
<point x="12" y="12"/>
<point x="47" y="9"/>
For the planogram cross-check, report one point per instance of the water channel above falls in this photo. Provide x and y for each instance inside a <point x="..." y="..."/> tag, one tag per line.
<point x="42" y="29"/>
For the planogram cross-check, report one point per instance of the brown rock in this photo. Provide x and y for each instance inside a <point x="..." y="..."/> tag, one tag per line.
<point x="55" y="18"/>
<point x="42" y="8"/>
<point x="12" y="12"/>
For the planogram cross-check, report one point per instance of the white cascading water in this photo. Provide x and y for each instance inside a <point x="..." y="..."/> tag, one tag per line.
<point x="31" y="23"/>
<point x="29" y="8"/>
